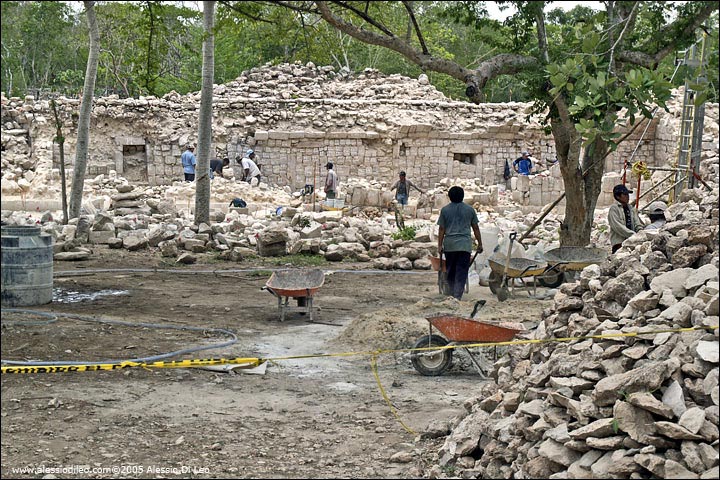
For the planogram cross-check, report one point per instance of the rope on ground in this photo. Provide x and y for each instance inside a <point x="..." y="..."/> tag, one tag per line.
<point x="144" y="362"/>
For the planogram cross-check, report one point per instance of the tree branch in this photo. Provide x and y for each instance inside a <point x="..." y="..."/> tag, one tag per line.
<point x="418" y="32"/>
<point x="673" y="38"/>
<point x="474" y="79"/>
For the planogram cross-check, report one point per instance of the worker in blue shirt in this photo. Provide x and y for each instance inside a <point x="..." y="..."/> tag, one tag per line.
<point x="188" y="162"/>
<point x="523" y="165"/>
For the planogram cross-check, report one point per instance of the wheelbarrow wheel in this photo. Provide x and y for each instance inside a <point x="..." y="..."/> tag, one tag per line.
<point x="431" y="363"/>
<point x="494" y="282"/>
<point x="552" y="279"/>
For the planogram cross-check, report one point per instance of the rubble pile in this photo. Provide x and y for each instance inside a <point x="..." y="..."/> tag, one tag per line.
<point x="635" y="406"/>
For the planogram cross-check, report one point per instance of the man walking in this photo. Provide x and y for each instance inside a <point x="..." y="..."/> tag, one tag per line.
<point x="403" y="186"/>
<point x="455" y="221"/>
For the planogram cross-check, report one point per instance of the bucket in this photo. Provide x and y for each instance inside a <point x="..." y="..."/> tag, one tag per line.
<point x="27" y="267"/>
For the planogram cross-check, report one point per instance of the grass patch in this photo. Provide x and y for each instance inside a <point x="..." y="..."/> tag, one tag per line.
<point x="407" y="233"/>
<point x="260" y="273"/>
<point x="299" y="260"/>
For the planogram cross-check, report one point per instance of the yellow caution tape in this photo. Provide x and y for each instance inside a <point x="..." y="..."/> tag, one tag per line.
<point x="373" y="365"/>
<point x="253" y="362"/>
<point x="93" y="367"/>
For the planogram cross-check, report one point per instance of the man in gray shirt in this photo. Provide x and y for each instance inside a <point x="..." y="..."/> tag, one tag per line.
<point x="454" y="240"/>
<point x="623" y="219"/>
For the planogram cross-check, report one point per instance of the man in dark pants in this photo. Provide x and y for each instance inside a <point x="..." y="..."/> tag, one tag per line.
<point x="455" y="221"/>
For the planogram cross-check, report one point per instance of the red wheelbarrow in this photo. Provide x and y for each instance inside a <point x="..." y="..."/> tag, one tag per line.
<point x="457" y="330"/>
<point x="302" y="285"/>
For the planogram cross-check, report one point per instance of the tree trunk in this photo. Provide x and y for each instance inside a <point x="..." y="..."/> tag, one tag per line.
<point x="202" y="178"/>
<point x="83" y="137"/>
<point x="61" y="145"/>
<point x="582" y="180"/>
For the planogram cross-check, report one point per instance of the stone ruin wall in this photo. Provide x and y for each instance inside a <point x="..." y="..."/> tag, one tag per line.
<point x="366" y="137"/>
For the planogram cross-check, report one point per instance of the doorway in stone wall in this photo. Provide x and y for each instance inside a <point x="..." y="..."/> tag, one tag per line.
<point x="135" y="167"/>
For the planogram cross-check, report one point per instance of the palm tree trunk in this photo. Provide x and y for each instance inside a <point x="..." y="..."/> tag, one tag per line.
<point x="83" y="137"/>
<point x="202" y="178"/>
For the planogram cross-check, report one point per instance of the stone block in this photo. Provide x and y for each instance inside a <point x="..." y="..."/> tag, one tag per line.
<point x="101" y="237"/>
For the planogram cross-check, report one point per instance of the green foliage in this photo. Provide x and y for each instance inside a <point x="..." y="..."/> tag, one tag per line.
<point x="407" y="233"/>
<point x="615" y="425"/>
<point x="154" y="47"/>
<point x="304" y="221"/>
<point x="299" y="260"/>
<point x="260" y="273"/>
<point x="596" y="89"/>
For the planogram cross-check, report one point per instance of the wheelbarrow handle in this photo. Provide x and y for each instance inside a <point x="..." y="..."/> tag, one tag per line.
<point x="529" y="267"/>
<point x="556" y="266"/>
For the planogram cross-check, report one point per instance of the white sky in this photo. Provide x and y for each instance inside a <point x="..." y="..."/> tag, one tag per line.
<point x="495" y="12"/>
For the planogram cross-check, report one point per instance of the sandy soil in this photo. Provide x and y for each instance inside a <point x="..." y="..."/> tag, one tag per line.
<point x="304" y="418"/>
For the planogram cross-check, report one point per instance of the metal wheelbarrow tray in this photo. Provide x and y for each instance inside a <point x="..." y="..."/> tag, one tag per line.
<point x="575" y="258"/>
<point x="458" y="331"/>
<point x="299" y="284"/>
<point x="518" y="268"/>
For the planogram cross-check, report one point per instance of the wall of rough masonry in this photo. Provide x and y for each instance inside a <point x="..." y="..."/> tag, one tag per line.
<point x="298" y="117"/>
<point x="657" y="146"/>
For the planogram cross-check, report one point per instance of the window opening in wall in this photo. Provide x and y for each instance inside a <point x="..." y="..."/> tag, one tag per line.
<point x="135" y="163"/>
<point x="466" y="158"/>
<point x="403" y="150"/>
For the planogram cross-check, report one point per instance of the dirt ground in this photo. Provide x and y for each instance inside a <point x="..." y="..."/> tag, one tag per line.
<point x="320" y="417"/>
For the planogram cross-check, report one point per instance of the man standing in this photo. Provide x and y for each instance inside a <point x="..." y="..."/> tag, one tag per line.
<point x="403" y="186"/>
<point x="523" y="165"/>
<point x="250" y="168"/>
<point x="455" y="221"/>
<point x="188" y="162"/>
<point x="331" y="181"/>
<point x="623" y="219"/>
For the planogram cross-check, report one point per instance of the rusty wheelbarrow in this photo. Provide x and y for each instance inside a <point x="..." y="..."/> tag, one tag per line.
<point x="438" y="264"/>
<point x="301" y="285"/>
<point x="457" y="331"/>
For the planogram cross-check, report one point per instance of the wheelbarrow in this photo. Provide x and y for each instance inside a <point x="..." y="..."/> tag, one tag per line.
<point x="517" y="268"/>
<point x="570" y="259"/>
<point x="301" y="285"/>
<point x="438" y="264"/>
<point x="457" y="331"/>
<point x="551" y="272"/>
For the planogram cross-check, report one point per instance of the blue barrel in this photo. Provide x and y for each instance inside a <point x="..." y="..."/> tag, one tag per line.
<point x="27" y="266"/>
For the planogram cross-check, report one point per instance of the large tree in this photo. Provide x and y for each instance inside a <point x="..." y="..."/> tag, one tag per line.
<point x="591" y="80"/>
<point x="202" y="179"/>
<point x="83" y="136"/>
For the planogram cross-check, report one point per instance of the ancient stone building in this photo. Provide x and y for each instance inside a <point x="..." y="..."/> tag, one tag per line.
<point x="297" y="118"/>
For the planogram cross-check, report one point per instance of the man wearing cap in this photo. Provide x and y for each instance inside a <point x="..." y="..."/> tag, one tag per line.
<point x="188" y="162"/>
<point x="331" y="181"/>
<point x="623" y="219"/>
<point x="250" y="168"/>
<point x="403" y="186"/>
<point x="523" y="165"/>
<point x="656" y="212"/>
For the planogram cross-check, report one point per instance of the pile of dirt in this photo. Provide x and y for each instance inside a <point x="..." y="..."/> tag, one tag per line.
<point x="401" y="327"/>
